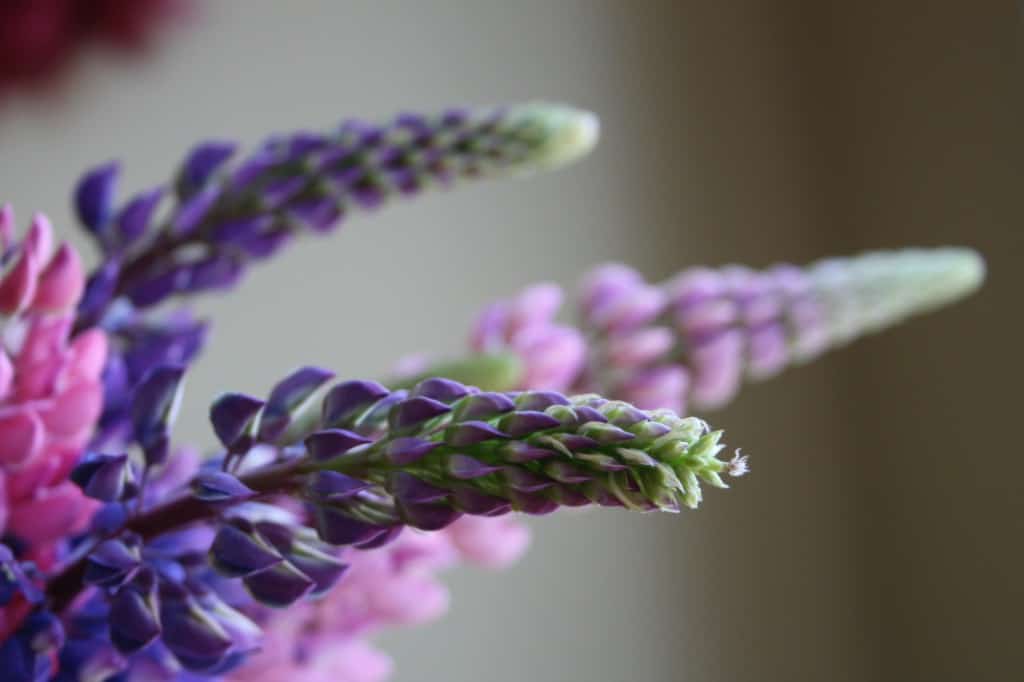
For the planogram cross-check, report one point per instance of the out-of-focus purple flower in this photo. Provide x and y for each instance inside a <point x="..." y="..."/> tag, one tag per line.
<point x="695" y="338"/>
<point x="228" y="214"/>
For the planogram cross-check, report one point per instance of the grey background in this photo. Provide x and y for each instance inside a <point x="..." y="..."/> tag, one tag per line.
<point x="879" y="535"/>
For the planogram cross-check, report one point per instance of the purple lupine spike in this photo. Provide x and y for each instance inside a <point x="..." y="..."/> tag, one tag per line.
<point x="519" y="424"/>
<point x="195" y="639"/>
<point x="410" y="489"/>
<point x="336" y="527"/>
<point x="232" y="416"/>
<point x="309" y="180"/>
<point x="220" y="487"/>
<point x="287" y="397"/>
<point x="715" y="327"/>
<point x="484" y="406"/>
<point x="94" y="196"/>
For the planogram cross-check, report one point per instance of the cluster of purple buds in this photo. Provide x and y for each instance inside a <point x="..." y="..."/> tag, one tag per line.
<point x="221" y="215"/>
<point x="303" y="474"/>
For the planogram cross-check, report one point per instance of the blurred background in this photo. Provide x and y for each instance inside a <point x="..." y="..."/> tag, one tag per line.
<point x="879" y="537"/>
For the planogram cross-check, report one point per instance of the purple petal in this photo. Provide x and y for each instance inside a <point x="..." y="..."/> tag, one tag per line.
<point x="519" y="452"/>
<point x="482" y="406"/>
<point x="320" y="215"/>
<point x="471" y="433"/>
<point x="287" y="396"/>
<point x="101" y="477"/>
<point x="193" y="211"/>
<point x="381" y="539"/>
<point x="564" y="472"/>
<point x="335" y="527"/>
<point x="538" y="401"/>
<point x="201" y="163"/>
<point x="472" y="501"/>
<point x="409" y="449"/>
<point x="445" y="390"/>
<point x="193" y="639"/>
<point x="235" y="553"/>
<point x="94" y="196"/>
<point x="133" y="624"/>
<point x="414" y="412"/>
<point x="412" y="490"/>
<point x="279" y="586"/>
<point x="231" y="415"/>
<point x="155" y="405"/>
<point x="536" y="505"/>
<point x="134" y="218"/>
<point x="220" y="486"/>
<point x="216" y="271"/>
<point x="330" y="443"/>
<point x="525" y="481"/>
<point x="349" y="397"/>
<point x="110" y="564"/>
<point x="429" y="516"/>
<point x="331" y="486"/>
<point x="466" y="467"/>
<point x="606" y="433"/>
<point x="520" y="424"/>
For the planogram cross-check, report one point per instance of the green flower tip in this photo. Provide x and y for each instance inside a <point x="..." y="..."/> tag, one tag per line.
<point x="566" y="133"/>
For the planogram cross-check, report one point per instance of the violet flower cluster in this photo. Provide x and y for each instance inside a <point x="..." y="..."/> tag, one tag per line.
<point x="693" y="339"/>
<point x="328" y="508"/>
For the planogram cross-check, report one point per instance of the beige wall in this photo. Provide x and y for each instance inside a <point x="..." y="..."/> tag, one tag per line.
<point x="878" y="537"/>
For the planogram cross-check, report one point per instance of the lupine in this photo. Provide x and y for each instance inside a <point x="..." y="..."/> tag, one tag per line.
<point x="371" y="465"/>
<point x="694" y="338"/>
<point x="50" y="392"/>
<point x="222" y="216"/>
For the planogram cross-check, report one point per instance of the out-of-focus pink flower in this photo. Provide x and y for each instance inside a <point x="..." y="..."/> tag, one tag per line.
<point x="50" y="390"/>
<point x="394" y="585"/>
<point x="552" y="354"/>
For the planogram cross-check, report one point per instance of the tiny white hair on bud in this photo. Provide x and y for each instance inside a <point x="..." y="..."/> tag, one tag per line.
<point x="738" y="465"/>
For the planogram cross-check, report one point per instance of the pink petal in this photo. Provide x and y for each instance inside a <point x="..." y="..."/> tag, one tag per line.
<point x="490" y="542"/>
<point x="74" y="410"/>
<point x="718" y="368"/>
<point x="52" y="514"/>
<point x="61" y="283"/>
<point x="6" y="374"/>
<point x="19" y="285"/>
<point x="6" y="227"/>
<point x="537" y="304"/>
<point x="39" y="240"/>
<point x="21" y="436"/>
<point x="88" y="355"/>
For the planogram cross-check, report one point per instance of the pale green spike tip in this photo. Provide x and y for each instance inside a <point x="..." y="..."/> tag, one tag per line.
<point x="964" y="270"/>
<point x="568" y="133"/>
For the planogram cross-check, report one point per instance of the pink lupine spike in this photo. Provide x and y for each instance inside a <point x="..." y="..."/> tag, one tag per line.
<point x="87" y="356"/>
<point x="41" y="473"/>
<point x="18" y="286"/>
<point x="21" y="436"/>
<point x="553" y="355"/>
<point x="488" y="332"/>
<point x="61" y="283"/>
